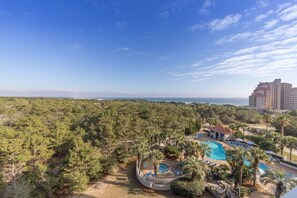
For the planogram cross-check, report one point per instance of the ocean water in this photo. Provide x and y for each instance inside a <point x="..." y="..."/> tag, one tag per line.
<point x="218" y="101"/>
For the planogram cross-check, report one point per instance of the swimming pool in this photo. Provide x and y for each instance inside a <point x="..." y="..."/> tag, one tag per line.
<point x="218" y="153"/>
<point x="264" y="167"/>
<point x="217" y="150"/>
<point x="163" y="168"/>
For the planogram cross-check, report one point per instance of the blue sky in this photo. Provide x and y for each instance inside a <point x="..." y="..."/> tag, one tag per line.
<point x="193" y="48"/>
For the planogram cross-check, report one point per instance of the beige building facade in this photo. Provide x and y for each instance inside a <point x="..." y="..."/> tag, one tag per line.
<point x="274" y="95"/>
<point x="293" y="98"/>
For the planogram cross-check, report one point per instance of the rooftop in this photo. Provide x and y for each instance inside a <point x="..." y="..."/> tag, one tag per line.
<point x="224" y="129"/>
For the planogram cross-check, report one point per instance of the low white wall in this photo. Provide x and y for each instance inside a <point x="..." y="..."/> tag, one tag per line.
<point x="149" y="184"/>
<point x="288" y="165"/>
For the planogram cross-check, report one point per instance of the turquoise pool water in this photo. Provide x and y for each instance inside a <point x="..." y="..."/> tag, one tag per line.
<point x="264" y="167"/>
<point x="218" y="153"/>
<point x="217" y="150"/>
<point x="163" y="168"/>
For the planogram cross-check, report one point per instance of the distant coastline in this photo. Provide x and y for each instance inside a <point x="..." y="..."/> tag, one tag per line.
<point x="186" y="100"/>
<point x="217" y="101"/>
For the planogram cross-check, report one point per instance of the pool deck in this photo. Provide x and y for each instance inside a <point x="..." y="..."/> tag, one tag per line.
<point x="205" y="138"/>
<point x="262" y="191"/>
<point x="271" y="164"/>
<point x="169" y="174"/>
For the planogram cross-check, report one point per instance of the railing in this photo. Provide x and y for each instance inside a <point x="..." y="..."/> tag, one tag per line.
<point x="152" y="182"/>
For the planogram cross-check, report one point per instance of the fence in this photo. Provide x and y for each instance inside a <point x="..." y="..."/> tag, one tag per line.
<point x="154" y="183"/>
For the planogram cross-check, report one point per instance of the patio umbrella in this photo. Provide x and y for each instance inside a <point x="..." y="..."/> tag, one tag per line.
<point x="261" y="171"/>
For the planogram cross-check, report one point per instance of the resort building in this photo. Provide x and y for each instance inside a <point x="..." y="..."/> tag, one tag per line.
<point x="221" y="132"/>
<point x="285" y="95"/>
<point x="293" y="98"/>
<point x="273" y="95"/>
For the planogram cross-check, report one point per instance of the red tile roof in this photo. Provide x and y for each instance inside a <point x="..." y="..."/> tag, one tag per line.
<point x="224" y="129"/>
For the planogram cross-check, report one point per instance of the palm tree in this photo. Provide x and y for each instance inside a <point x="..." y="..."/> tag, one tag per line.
<point x="219" y="171"/>
<point x="267" y="119"/>
<point x="204" y="150"/>
<point x="282" y="181"/>
<point x="194" y="168"/>
<point x="291" y="144"/>
<point x="214" y="121"/>
<point x="141" y="148"/>
<point x="236" y="160"/>
<point x="282" y="143"/>
<point x="268" y="135"/>
<point x="192" y="149"/>
<point x="257" y="154"/>
<point x="283" y="120"/>
<point x="234" y="127"/>
<point x="178" y="137"/>
<point x="161" y="137"/>
<point x="156" y="157"/>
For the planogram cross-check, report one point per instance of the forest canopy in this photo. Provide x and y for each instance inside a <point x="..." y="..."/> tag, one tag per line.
<point x="56" y="146"/>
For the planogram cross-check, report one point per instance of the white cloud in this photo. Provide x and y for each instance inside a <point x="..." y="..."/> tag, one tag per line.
<point x="283" y="6"/>
<point x="280" y="32"/>
<point x="270" y="52"/>
<point x="234" y="38"/>
<point x="288" y="13"/>
<point x="121" y="49"/>
<point x="173" y="7"/>
<point x="270" y="24"/>
<point x="218" y="24"/>
<point x="141" y="53"/>
<point x="262" y="3"/>
<point x="206" y="5"/>
<point x="266" y="51"/>
<point x="260" y="17"/>
<point x="130" y="51"/>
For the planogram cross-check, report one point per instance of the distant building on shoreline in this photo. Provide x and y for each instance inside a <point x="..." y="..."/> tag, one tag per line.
<point x="274" y="95"/>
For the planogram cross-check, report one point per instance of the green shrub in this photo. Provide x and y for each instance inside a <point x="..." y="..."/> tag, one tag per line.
<point x="18" y="188"/>
<point x="2" y="185"/>
<point x="239" y="134"/>
<point x="193" y="128"/>
<point x="188" y="188"/>
<point x="262" y="142"/>
<point x="171" y="152"/>
<point x="75" y="181"/>
<point x="109" y="163"/>
<point x="244" y="191"/>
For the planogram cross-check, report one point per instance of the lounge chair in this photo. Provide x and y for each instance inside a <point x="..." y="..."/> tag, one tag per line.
<point x="221" y="190"/>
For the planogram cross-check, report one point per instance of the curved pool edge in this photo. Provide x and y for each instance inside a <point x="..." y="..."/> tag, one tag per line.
<point x="217" y="150"/>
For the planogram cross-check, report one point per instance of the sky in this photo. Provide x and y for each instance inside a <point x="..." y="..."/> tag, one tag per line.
<point x="149" y="48"/>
